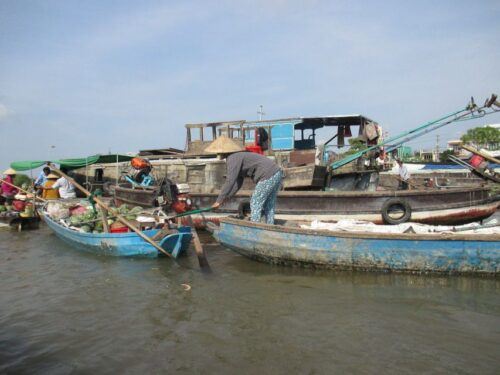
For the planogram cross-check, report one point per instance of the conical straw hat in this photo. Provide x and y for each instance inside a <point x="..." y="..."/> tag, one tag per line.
<point x="224" y="145"/>
<point x="52" y="175"/>
<point x="10" y="171"/>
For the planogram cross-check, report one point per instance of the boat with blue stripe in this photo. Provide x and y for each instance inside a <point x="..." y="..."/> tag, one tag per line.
<point x="450" y="253"/>
<point x="122" y="244"/>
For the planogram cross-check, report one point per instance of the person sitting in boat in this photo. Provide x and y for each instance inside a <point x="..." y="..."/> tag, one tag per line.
<point x="240" y="164"/>
<point x="7" y="190"/>
<point x="41" y="179"/>
<point x="404" y="175"/>
<point x="48" y="191"/>
<point x="65" y="188"/>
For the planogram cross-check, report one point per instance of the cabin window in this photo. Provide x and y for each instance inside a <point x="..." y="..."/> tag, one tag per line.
<point x="304" y="139"/>
<point x="207" y="134"/>
<point x="249" y="135"/>
<point x="98" y="175"/>
<point x="196" y="134"/>
<point x="236" y="133"/>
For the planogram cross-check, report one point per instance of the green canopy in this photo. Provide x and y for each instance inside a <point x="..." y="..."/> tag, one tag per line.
<point x="26" y="165"/>
<point x="70" y="163"/>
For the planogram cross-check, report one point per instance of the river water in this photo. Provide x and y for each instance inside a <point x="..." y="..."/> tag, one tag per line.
<point x="62" y="311"/>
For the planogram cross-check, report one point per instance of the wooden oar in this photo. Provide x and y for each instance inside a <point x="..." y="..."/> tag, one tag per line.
<point x="198" y="248"/>
<point x="24" y="191"/>
<point x="200" y="252"/>
<point x="118" y="216"/>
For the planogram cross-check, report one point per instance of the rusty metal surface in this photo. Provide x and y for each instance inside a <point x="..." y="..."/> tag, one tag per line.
<point x="302" y="157"/>
<point x="307" y="176"/>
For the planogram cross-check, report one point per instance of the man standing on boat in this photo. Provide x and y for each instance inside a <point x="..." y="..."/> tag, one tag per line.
<point x="404" y="175"/>
<point x="240" y="164"/>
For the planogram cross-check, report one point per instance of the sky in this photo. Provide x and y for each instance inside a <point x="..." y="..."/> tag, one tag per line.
<point x="85" y="77"/>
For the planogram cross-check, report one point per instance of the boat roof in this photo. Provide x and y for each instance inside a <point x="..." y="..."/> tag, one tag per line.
<point x="300" y="122"/>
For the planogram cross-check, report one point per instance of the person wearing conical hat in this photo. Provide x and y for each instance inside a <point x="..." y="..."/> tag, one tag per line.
<point x="266" y="174"/>
<point x="7" y="191"/>
<point x="64" y="187"/>
<point x="48" y="191"/>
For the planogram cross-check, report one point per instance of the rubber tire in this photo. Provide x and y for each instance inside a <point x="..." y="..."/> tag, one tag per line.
<point x="392" y="202"/>
<point x="244" y="210"/>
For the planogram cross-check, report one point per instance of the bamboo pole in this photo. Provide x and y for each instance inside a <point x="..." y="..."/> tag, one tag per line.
<point x="118" y="216"/>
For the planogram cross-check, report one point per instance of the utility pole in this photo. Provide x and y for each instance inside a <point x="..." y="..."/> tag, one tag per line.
<point x="261" y="112"/>
<point x="437" y="148"/>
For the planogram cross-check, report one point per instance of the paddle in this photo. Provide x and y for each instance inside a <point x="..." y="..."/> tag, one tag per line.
<point x="118" y="216"/>
<point x="189" y="213"/>
<point x="200" y="252"/>
<point x="24" y="191"/>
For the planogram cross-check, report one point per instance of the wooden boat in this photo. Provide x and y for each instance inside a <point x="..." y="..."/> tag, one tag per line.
<point x="407" y="252"/>
<point x="450" y="206"/>
<point x="438" y="207"/>
<point x="121" y="244"/>
<point x="13" y="219"/>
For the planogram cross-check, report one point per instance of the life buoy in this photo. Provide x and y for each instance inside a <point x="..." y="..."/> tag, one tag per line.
<point x="391" y="207"/>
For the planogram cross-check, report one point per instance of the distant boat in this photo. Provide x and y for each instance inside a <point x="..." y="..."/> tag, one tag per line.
<point x="121" y="244"/>
<point x="471" y="253"/>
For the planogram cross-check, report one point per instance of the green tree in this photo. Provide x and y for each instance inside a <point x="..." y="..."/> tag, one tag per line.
<point x="356" y="144"/>
<point x="443" y="156"/>
<point x="483" y="136"/>
<point x="21" y="179"/>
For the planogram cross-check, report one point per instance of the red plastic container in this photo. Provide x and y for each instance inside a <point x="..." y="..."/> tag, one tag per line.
<point x="255" y="149"/>
<point x="476" y="160"/>
<point x="119" y="230"/>
<point x="18" y="205"/>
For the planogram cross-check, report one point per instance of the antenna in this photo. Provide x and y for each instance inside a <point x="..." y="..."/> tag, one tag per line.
<point x="261" y="112"/>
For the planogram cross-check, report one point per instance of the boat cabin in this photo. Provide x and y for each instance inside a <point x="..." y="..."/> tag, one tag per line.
<point x="294" y="136"/>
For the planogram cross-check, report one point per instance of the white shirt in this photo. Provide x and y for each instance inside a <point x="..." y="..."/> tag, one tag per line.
<point x="66" y="189"/>
<point x="403" y="173"/>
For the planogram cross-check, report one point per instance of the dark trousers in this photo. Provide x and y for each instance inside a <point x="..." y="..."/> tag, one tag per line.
<point x="403" y="185"/>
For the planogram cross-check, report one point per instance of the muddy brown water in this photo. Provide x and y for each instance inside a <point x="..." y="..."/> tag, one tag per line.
<point x="62" y="311"/>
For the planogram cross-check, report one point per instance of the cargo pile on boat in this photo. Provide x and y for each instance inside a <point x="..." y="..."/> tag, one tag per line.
<point x="349" y="225"/>
<point x="82" y="217"/>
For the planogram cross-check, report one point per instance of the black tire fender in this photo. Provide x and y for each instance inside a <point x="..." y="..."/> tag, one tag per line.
<point x="396" y="203"/>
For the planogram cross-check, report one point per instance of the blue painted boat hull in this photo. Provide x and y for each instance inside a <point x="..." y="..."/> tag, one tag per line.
<point x="121" y="244"/>
<point x="418" y="253"/>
